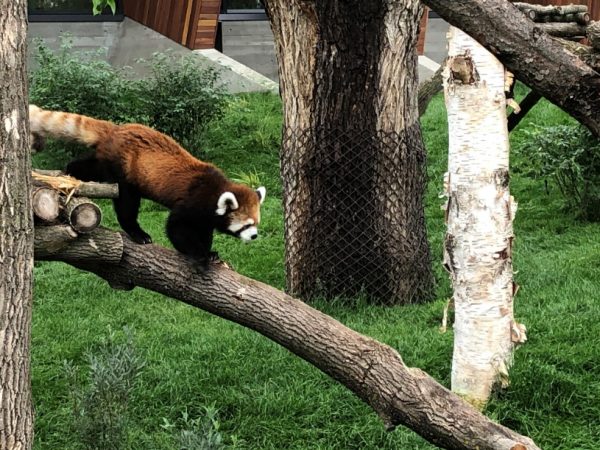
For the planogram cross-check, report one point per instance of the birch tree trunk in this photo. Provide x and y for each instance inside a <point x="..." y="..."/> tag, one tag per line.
<point x="16" y="233"/>
<point x="479" y="211"/>
<point x="352" y="156"/>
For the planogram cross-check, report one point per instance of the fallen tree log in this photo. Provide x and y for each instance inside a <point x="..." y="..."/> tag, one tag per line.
<point x="65" y="183"/>
<point x="428" y="89"/>
<point x="83" y="215"/>
<point x="373" y="371"/>
<point x="551" y="10"/>
<point x="593" y="35"/>
<point x="530" y="54"/>
<point x="563" y="29"/>
<point x="45" y="203"/>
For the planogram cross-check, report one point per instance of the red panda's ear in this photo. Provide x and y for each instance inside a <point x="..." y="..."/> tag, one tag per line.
<point x="262" y="193"/>
<point x="226" y="201"/>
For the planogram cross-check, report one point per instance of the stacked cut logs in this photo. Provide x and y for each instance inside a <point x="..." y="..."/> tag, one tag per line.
<point x="61" y="204"/>
<point x="568" y="21"/>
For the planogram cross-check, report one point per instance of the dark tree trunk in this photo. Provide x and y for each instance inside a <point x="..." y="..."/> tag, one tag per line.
<point x="16" y="232"/>
<point x="352" y="161"/>
<point x="530" y="54"/>
<point x="373" y="371"/>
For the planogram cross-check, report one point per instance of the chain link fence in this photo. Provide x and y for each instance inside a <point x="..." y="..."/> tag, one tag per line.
<point x="350" y="202"/>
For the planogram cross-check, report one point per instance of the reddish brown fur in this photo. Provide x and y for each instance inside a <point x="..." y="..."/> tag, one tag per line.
<point x="150" y="160"/>
<point x="146" y="163"/>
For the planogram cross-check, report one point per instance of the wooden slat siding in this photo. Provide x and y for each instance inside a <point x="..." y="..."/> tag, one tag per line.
<point x="422" y="32"/>
<point x="206" y="23"/>
<point x="176" y="19"/>
<point x="191" y="37"/>
<point x="186" y="24"/>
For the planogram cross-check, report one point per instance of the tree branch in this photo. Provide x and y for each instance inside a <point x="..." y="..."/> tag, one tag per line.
<point x="373" y="371"/>
<point x="532" y="55"/>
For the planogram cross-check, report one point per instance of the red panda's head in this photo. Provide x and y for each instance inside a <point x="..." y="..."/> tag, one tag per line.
<point x="239" y="207"/>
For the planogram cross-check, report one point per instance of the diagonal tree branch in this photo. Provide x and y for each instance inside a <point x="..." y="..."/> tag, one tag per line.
<point x="373" y="371"/>
<point x="532" y="55"/>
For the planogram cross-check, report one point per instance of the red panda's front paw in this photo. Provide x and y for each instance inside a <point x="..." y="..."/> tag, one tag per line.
<point x="140" y="237"/>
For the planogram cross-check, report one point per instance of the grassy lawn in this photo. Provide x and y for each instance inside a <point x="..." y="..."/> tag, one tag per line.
<point x="269" y="399"/>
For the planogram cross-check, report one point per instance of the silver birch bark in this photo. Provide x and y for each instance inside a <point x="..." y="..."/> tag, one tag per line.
<point x="16" y="233"/>
<point x="479" y="212"/>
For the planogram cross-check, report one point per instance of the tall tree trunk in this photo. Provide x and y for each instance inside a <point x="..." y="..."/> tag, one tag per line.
<point x="480" y="211"/>
<point x="16" y="232"/>
<point x="352" y="159"/>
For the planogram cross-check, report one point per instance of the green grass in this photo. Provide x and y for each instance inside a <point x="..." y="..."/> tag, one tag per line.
<point x="268" y="398"/>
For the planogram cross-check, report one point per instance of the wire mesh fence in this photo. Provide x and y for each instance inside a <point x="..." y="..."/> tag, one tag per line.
<point x="351" y="227"/>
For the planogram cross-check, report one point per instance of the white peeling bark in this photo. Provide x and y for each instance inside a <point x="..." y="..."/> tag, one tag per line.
<point x="480" y="211"/>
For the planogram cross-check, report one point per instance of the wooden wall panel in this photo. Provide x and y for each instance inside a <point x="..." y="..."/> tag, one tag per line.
<point x="192" y="23"/>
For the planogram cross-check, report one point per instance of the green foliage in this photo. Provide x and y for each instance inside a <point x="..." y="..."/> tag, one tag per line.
<point x="201" y="433"/>
<point x="100" y="408"/>
<point x="570" y="156"/>
<point x="99" y="5"/>
<point x="83" y="83"/>
<point x="181" y="98"/>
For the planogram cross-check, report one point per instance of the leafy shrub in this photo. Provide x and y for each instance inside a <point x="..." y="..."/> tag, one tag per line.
<point x="569" y="155"/>
<point x="100" y="407"/>
<point x="201" y="433"/>
<point x="83" y="83"/>
<point x="181" y="98"/>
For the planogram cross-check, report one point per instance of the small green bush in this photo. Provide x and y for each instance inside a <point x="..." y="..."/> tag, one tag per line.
<point x="570" y="156"/>
<point x="181" y="98"/>
<point x="100" y="408"/>
<point x="201" y="433"/>
<point x="83" y="83"/>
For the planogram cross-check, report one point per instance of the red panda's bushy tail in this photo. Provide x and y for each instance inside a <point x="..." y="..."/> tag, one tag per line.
<point x="62" y="125"/>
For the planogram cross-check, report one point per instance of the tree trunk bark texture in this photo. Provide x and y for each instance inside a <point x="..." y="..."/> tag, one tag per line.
<point x="16" y="233"/>
<point x="373" y="371"/>
<point x="530" y="54"/>
<point x="479" y="216"/>
<point x="352" y="160"/>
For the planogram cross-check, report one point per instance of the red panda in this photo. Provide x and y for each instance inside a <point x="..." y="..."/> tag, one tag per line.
<point x="146" y="163"/>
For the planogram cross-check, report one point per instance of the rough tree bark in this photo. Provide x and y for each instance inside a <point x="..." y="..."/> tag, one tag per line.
<point x="479" y="215"/>
<point x="530" y="54"/>
<point x="373" y="371"/>
<point x="16" y="233"/>
<point x="352" y="157"/>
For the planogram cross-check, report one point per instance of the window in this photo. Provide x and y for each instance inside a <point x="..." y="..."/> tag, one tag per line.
<point x="69" y="11"/>
<point x="236" y="10"/>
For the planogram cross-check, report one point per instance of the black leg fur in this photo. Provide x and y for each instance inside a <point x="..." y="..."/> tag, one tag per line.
<point x="89" y="168"/>
<point x="190" y="236"/>
<point x="127" y="207"/>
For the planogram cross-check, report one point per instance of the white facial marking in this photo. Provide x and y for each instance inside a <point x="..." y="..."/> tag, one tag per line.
<point x="249" y="234"/>
<point x="236" y="226"/>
